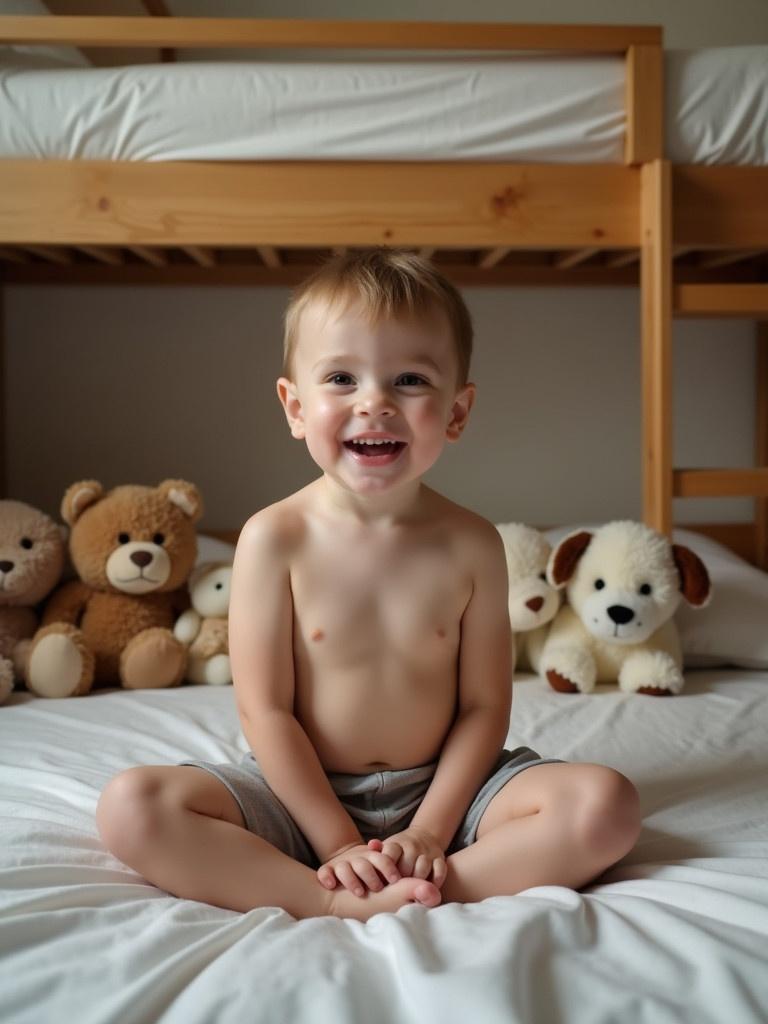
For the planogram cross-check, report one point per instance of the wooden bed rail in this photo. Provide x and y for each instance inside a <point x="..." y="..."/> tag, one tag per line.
<point x="265" y="33"/>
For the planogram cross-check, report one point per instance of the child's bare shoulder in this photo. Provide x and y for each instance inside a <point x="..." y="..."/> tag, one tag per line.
<point x="275" y="529"/>
<point x="475" y="535"/>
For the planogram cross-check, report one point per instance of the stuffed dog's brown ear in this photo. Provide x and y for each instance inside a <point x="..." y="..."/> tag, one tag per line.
<point x="694" y="579"/>
<point x="565" y="557"/>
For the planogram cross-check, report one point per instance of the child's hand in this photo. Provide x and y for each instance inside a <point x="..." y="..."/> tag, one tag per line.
<point x="356" y="866"/>
<point x="417" y="854"/>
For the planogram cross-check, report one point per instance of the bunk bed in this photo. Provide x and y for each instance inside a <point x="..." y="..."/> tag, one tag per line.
<point x="678" y="930"/>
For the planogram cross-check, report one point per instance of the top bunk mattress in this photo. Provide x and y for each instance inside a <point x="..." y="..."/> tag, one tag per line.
<point x="528" y="109"/>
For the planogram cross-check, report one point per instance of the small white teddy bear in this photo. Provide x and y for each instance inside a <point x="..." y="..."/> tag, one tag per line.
<point x="533" y="602"/>
<point x="204" y="626"/>
<point x="623" y="584"/>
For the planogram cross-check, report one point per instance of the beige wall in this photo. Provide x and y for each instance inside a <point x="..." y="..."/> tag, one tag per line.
<point x="131" y="385"/>
<point x="134" y="385"/>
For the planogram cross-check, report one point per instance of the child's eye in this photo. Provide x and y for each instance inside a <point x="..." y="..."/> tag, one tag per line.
<point x="341" y="379"/>
<point x="410" y="379"/>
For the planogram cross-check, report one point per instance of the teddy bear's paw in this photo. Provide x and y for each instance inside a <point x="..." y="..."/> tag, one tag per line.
<point x="570" y="670"/>
<point x="215" y="671"/>
<point x="654" y="673"/>
<point x="153" y="659"/>
<point x="6" y="678"/>
<point x="59" y="663"/>
<point x="560" y="683"/>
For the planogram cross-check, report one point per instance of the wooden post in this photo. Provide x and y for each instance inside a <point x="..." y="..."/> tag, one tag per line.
<point x="3" y="392"/>
<point x="761" y="440"/>
<point x="644" y="103"/>
<point x="656" y="328"/>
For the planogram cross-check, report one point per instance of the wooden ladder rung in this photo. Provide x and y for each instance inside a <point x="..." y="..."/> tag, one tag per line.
<point x="720" y="483"/>
<point x="748" y="300"/>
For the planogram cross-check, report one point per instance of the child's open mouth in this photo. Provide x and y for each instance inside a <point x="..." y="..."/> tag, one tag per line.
<point x="375" y="453"/>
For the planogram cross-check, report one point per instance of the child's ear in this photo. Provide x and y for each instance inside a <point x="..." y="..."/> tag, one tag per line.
<point x="291" y="403"/>
<point x="462" y="403"/>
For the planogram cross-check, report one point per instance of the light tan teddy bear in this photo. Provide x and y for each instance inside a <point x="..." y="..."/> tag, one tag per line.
<point x="203" y="627"/>
<point x="133" y="549"/>
<point x="533" y="601"/>
<point x="32" y="550"/>
<point x="623" y="582"/>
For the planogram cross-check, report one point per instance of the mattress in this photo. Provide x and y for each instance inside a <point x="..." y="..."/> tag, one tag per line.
<point x="676" y="932"/>
<point x="531" y="108"/>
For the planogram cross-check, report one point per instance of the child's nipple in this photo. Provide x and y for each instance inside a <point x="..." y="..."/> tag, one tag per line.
<point x="317" y="634"/>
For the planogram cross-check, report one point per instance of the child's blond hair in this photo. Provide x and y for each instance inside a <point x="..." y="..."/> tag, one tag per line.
<point x="388" y="283"/>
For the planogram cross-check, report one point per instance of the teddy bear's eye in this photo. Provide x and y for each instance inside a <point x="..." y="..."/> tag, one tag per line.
<point x="123" y="538"/>
<point x="27" y="543"/>
<point x="219" y="586"/>
<point x="543" y="576"/>
<point x="599" y="584"/>
<point x="158" y="538"/>
<point x="646" y="589"/>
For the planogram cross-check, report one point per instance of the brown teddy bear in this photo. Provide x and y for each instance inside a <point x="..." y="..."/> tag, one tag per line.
<point x="31" y="563"/>
<point x="133" y="549"/>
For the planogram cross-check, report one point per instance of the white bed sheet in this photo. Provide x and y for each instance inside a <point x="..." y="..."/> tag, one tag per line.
<point x="531" y="108"/>
<point x="678" y="931"/>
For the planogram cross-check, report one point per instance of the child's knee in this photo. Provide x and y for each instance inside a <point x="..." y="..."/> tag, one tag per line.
<point x="609" y="818"/>
<point x="131" y="810"/>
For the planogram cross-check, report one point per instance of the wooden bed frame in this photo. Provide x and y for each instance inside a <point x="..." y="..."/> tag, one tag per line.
<point x="695" y="238"/>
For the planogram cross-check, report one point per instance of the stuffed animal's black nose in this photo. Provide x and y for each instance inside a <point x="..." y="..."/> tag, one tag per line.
<point x="535" y="603"/>
<point x="141" y="558"/>
<point x="621" y="615"/>
<point x="6" y="566"/>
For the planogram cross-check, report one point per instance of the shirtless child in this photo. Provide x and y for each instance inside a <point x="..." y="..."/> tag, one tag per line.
<point x="371" y="654"/>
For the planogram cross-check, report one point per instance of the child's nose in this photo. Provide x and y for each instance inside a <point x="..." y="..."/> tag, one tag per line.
<point x="374" y="402"/>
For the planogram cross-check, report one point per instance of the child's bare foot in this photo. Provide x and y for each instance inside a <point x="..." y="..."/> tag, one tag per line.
<point x="387" y="901"/>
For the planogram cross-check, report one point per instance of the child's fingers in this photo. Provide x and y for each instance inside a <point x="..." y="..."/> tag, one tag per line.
<point x="375" y="844"/>
<point x="385" y="866"/>
<point x="366" y="872"/>
<point x="439" y="871"/>
<point x="326" y="877"/>
<point x="349" y="879"/>
<point x="393" y="850"/>
<point x="422" y="867"/>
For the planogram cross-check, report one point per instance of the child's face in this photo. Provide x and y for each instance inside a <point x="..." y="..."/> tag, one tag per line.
<point x="393" y="381"/>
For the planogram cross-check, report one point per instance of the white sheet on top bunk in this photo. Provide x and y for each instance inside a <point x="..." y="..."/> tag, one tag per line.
<point x="532" y="108"/>
<point x="677" y="932"/>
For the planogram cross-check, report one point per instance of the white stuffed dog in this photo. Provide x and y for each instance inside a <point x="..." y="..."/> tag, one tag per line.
<point x="623" y="584"/>
<point x="533" y="602"/>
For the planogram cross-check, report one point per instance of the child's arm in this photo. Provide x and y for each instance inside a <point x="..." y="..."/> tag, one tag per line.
<point x="482" y="721"/>
<point x="261" y="651"/>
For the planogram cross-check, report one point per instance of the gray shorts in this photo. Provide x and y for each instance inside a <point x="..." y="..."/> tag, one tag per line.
<point x="380" y="803"/>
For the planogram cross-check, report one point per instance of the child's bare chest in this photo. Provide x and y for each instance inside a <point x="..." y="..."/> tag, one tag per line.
<point x="352" y="603"/>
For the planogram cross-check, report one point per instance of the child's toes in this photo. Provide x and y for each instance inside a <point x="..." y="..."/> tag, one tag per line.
<point x="427" y="894"/>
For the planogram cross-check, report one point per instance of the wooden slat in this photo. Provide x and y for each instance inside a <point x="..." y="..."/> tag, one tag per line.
<point x="737" y="300"/>
<point x="269" y="255"/>
<point x="462" y="205"/>
<point x="155" y="257"/>
<point x="572" y="259"/>
<point x="111" y="257"/>
<point x="761" y="439"/>
<point x="50" y="254"/>
<point x="203" y="257"/>
<point x="721" y="483"/>
<point x="490" y="259"/>
<point x="727" y="259"/>
<point x="644" y="99"/>
<point x="720" y="207"/>
<point x="13" y="255"/>
<point x="656" y="286"/>
<point x="426" y="251"/>
<point x="624" y="259"/>
<point x="305" y="32"/>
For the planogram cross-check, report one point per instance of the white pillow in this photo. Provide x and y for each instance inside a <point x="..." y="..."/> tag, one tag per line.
<point x="733" y="628"/>
<point x="210" y="549"/>
<point x="37" y="56"/>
